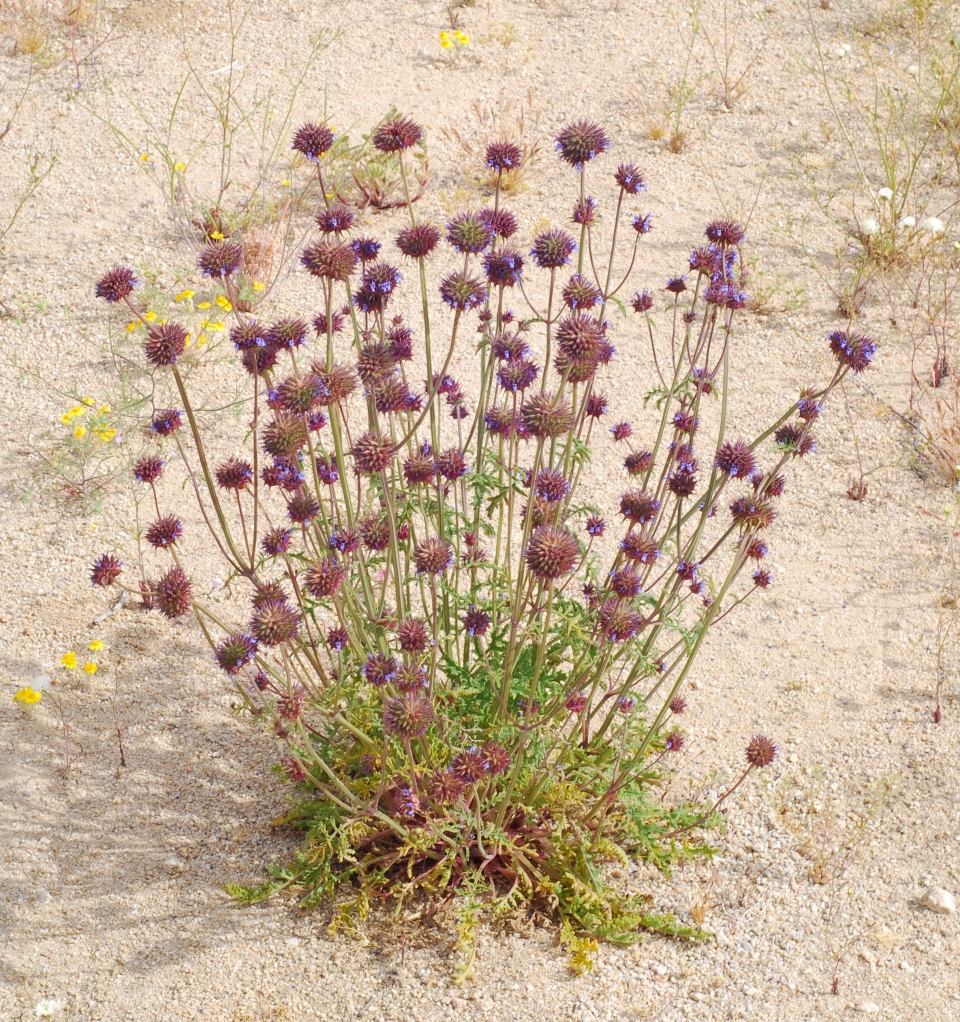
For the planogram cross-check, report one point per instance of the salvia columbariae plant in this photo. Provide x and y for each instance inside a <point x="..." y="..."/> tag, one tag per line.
<point x="473" y="675"/>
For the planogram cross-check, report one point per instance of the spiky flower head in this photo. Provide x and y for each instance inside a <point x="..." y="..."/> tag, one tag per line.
<point x="517" y="374"/>
<point x="166" y="422"/>
<point x="148" y="468"/>
<point x="638" y="549"/>
<point x="682" y="483"/>
<point x="503" y="268"/>
<point x="419" y="241"/>
<point x="585" y="211"/>
<point x="476" y="622"/>
<point x="234" y="474"/>
<point x="678" y="704"/>
<point x="673" y="742"/>
<point x="284" y="436"/>
<point x="330" y="259"/>
<point x="461" y="292"/>
<point x="580" y="142"/>
<point x="235" y="652"/>
<point x="345" y="540"/>
<point x="336" y="220"/>
<point x="761" y="752"/>
<point x="303" y="508"/>
<point x="642" y="301"/>
<point x="625" y="582"/>
<point x="451" y="464"/>
<point x="313" y="141"/>
<point x="408" y="716"/>
<point x="379" y="669"/>
<point x="795" y="438"/>
<point x="401" y="342"/>
<point x="808" y="407"/>
<point x="580" y="335"/>
<point x="172" y="593"/>
<point x="630" y="179"/>
<point x="338" y="638"/>
<point x="277" y="541"/>
<point x="736" y="459"/>
<point x="219" y="259"/>
<point x="324" y="578"/>
<point x="444" y="787"/>
<point x="596" y="526"/>
<point x="581" y="293"/>
<point x="117" y="284"/>
<point x="642" y="223"/>
<point x="546" y="416"/>
<point x="507" y="346"/>
<point x="762" y="578"/>
<point x="293" y="768"/>
<point x="551" y="552"/>
<point x="290" y="703"/>
<point x="552" y="249"/>
<point x="367" y="249"/>
<point x="753" y="513"/>
<point x="265" y="592"/>
<point x="106" y="570"/>
<point x="621" y="431"/>
<point x="397" y="134"/>
<point x="377" y="285"/>
<point x="550" y="485"/>
<point x="164" y="532"/>
<point x="724" y="232"/>
<point x="853" y="350"/>
<point x="433" y="556"/>
<point x="413" y="635"/>
<point x="421" y="469"/>
<point x="596" y="405"/>
<point x="258" y="361"/>
<point x="676" y="285"/>
<point x="410" y="677"/>
<point x="375" y="533"/>
<point x="334" y="320"/>
<point x="501" y="221"/>
<point x="275" y="622"/>
<point x="577" y="703"/>
<point x="339" y="381"/>
<point x="504" y="156"/>
<point x="618" y="620"/>
<point x="637" y="462"/>
<point x="371" y="454"/>
<point x="286" y="334"/>
<point x="640" y="507"/>
<point x="470" y="765"/>
<point x="469" y="232"/>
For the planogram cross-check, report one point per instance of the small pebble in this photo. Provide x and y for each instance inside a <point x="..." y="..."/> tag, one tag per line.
<point x="938" y="900"/>
<point x="174" y="865"/>
<point x="867" y="1007"/>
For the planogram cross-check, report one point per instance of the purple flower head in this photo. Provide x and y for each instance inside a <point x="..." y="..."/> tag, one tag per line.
<point x="585" y="211"/>
<point x="724" y="232"/>
<point x="397" y="134"/>
<point x="581" y="293"/>
<point x="220" y="258"/>
<point x="366" y="249"/>
<point x="596" y="526"/>
<point x="852" y="350"/>
<point x="630" y="179"/>
<point x="476" y="622"/>
<point x="313" y="141"/>
<point x="418" y="242"/>
<point x="621" y="431"/>
<point x="469" y="232"/>
<point x="117" y="284"/>
<point x="642" y="301"/>
<point x="580" y="142"/>
<point x="676" y="285"/>
<point x="643" y="223"/>
<point x="166" y="422"/>
<point x="461" y="292"/>
<point x="336" y="220"/>
<point x="503" y="268"/>
<point x="552" y="249"/>
<point x="501" y="222"/>
<point x="504" y="156"/>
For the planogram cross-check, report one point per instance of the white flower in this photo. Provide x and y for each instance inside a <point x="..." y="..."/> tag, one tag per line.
<point x="884" y="194"/>
<point x="913" y="70"/>
<point x="932" y="225"/>
<point x="46" y="1008"/>
<point x="870" y="226"/>
<point x="907" y="221"/>
<point x="840" y="52"/>
<point x="956" y="246"/>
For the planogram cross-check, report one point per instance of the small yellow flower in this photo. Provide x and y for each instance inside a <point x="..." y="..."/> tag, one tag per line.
<point x="69" y="660"/>
<point x="144" y="157"/>
<point x="149" y="316"/>
<point x="179" y="167"/>
<point x="204" y="305"/>
<point x="66" y="418"/>
<point x="445" y="41"/>
<point x="104" y="409"/>
<point x="96" y="646"/>
<point x="106" y="434"/>
<point x="184" y="295"/>
<point x="462" y="38"/>
<point x="216" y="235"/>
<point x="76" y="410"/>
<point x="88" y="401"/>
<point x="214" y="327"/>
<point x="224" y="303"/>
<point x="80" y="432"/>
<point x="285" y="182"/>
<point x="133" y="326"/>
<point x="202" y="339"/>
<point x="90" y="668"/>
<point x="28" y="696"/>
<point x="258" y="285"/>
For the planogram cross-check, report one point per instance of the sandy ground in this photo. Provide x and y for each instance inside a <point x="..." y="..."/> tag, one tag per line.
<point x="111" y="889"/>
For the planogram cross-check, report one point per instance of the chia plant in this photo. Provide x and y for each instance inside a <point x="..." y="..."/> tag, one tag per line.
<point x="473" y="672"/>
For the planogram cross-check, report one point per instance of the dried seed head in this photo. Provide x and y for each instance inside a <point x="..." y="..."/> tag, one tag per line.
<point x="235" y="652"/>
<point x="419" y="241"/>
<point x="330" y="259"/>
<point x="618" y="620"/>
<point x="164" y="531"/>
<point x="284" y="436"/>
<point x="275" y="622"/>
<point x="413" y="635"/>
<point x="234" y="474"/>
<point x="433" y="556"/>
<point x="219" y="259"/>
<point x="290" y="704"/>
<point x="408" y="716"/>
<point x="324" y="578"/>
<point x="371" y="454"/>
<point x="394" y="135"/>
<point x="276" y="541"/>
<point x="444" y="787"/>
<point x="313" y="141"/>
<point x="551" y="552"/>
<point x="117" y="284"/>
<point x="546" y="417"/>
<point x="795" y="438"/>
<point x="580" y="142"/>
<point x="106" y="570"/>
<point x="293" y="768"/>
<point x="552" y="249"/>
<point x="172" y="593"/>
<point x="761" y="752"/>
<point x="148" y="469"/>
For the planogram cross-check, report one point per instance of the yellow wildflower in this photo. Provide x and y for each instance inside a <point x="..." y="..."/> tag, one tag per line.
<point x="144" y="157"/>
<point x="204" y="305"/>
<point x="106" y="434"/>
<point x="28" y="696"/>
<point x="216" y="235"/>
<point x="80" y="432"/>
<point x="285" y="182"/>
<point x="202" y="339"/>
<point x="96" y="646"/>
<point x="88" y="401"/>
<point x="214" y="327"/>
<point x="90" y="668"/>
<point x="66" y="418"/>
<point x="462" y="38"/>
<point x="69" y="660"/>
<point x="76" y="410"/>
<point x="445" y="41"/>
<point x="258" y="285"/>
<point x="149" y="316"/>
<point x="184" y="295"/>
<point x="133" y="326"/>
<point x="179" y="167"/>
<point x="224" y="303"/>
<point x="104" y="409"/>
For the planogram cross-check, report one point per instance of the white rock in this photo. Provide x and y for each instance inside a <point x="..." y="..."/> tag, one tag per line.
<point x="174" y="865"/>
<point x="938" y="900"/>
<point x="867" y="1007"/>
<point x="41" y="896"/>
